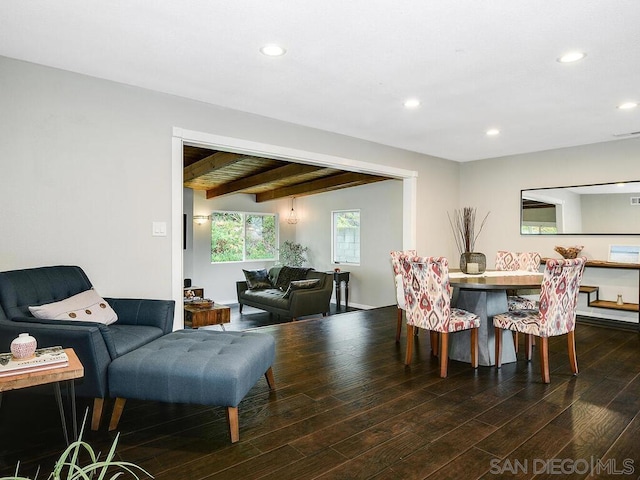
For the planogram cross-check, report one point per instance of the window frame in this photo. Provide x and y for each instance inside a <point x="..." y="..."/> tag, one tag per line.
<point x="243" y="214"/>
<point x="334" y="261"/>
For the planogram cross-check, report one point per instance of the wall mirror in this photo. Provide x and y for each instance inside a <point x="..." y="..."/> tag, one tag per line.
<point x="599" y="209"/>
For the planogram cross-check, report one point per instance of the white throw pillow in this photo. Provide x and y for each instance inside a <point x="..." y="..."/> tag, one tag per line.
<point x="87" y="306"/>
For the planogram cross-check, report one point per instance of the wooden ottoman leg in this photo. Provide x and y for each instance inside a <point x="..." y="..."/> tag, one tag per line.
<point x="118" y="407"/>
<point x="234" y="426"/>
<point x="270" y="380"/>
<point x="98" y="403"/>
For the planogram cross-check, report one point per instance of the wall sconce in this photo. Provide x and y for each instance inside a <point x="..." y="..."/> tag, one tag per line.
<point x="293" y="218"/>
<point x="201" y="219"/>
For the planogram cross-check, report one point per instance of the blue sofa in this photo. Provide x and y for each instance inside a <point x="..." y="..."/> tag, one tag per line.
<point x="139" y="322"/>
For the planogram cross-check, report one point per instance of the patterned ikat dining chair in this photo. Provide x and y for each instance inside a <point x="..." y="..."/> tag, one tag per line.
<point x="397" y="277"/>
<point x="428" y="305"/>
<point x="511" y="261"/>
<point x="556" y="314"/>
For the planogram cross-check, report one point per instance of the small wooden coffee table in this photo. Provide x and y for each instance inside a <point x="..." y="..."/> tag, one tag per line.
<point x="200" y="315"/>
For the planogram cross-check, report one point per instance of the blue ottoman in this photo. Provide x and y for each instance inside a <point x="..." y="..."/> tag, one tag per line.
<point x="201" y="367"/>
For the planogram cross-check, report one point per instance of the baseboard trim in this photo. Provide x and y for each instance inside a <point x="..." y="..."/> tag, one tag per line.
<point x="605" y="322"/>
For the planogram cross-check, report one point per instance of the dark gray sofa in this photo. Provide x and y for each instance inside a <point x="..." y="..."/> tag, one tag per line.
<point x="299" y="303"/>
<point x="140" y="321"/>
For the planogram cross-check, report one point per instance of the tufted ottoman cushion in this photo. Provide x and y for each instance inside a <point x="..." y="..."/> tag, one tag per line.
<point x="193" y="366"/>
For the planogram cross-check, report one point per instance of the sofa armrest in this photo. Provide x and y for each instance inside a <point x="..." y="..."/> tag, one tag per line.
<point x="241" y="287"/>
<point x="151" y="313"/>
<point x="103" y="329"/>
<point x="312" y="300"/>
<point x="86" y="340"/>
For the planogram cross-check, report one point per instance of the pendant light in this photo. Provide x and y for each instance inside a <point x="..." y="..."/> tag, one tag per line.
<point x="293" y="218"/>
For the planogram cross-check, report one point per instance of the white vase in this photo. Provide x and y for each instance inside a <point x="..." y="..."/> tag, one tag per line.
<point x="23" y="346"/>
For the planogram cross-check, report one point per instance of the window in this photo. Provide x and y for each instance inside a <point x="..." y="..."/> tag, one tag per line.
<point x="346" y="236"/>
<point x="538" y="229"/>
<point x="238" y="236"/>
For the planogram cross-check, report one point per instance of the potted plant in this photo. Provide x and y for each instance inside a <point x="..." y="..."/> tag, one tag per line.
<point x="463" y="225"/>
<point x="69" y="467"/>
<point x="292" y="254"/>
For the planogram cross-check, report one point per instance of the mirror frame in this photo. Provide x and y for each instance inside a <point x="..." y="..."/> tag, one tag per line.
<point x="577" y="189"/>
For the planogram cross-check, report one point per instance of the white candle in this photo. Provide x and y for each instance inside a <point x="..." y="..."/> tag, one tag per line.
<point x="472" y="268"/>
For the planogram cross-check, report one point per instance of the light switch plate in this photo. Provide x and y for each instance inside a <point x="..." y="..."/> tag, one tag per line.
<point x="159" y="229"/>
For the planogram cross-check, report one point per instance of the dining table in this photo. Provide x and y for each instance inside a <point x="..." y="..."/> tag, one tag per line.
<point x="485" y="295"/>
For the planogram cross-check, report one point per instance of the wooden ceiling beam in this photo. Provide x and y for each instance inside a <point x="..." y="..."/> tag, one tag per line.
<point x="325" y="184"/>
<point x="273" y="175"/>
<point x="207" y="164"/>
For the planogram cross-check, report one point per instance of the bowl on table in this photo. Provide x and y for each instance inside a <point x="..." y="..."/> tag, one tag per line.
<point x="569" y="252"/>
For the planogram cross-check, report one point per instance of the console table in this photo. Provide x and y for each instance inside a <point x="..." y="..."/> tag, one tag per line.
<point x="339" y="278"/>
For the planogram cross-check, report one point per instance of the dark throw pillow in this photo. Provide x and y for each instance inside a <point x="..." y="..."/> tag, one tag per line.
<point x="289" y="274"/>
<point x="257" y="279"/>
<point x="301" y="285"/>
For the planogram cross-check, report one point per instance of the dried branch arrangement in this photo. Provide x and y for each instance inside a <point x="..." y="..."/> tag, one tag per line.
<point x="463" y="225"/>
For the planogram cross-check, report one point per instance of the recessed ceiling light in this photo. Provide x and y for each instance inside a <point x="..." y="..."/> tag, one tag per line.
<point x="492" y="131"/>
<point x="273" y="50"/>
<point x="627" y="105"/>
<point x="570" y="57"/>
<point x="411" y="103"/>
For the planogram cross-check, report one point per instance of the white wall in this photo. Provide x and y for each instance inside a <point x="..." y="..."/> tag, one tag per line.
<point x="380" y="205"/>
<point x="610" y="213"/>
<point x="494" y="185"/>
<point x="87" y="165"/>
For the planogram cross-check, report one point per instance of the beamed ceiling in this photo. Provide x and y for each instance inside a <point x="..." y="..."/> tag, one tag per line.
<point x="223" y="173"/>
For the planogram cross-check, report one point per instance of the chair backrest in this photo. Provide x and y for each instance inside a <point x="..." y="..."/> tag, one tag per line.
<point x="559" y="295"/>
<point x="427" y="292"/>
<point x="529" y="261"/>
<point x="396" y="263"/>
<point x="507" y="260"/>
<point x="36" y="286"/>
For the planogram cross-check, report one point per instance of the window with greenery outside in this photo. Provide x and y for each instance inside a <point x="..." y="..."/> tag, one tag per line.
<point x="237" y="236"/>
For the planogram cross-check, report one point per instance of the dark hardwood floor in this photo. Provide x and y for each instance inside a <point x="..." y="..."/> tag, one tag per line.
<point x="346" y="407"/>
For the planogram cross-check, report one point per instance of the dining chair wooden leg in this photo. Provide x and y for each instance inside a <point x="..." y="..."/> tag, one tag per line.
<point x="571" y="341"/>
<point x="515" y="341"/>
<point x="474" y="347"/>
<point x="409" y="353"/>
<point x="528" y="346"/>
<point x="498" y="342"/>
<point x="435" y="340"/>
<point x="543" y="346"/>
<point x="399" y="325"/>
<point x="444" y="353"/>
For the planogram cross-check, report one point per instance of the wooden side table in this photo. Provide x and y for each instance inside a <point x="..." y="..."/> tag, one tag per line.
<point x="338" y="278"/>
<point x="54" y="375"/>
<point x="200" y="315"/>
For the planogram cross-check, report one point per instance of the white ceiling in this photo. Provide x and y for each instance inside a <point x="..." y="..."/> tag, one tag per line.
<point x="350" y="64"/>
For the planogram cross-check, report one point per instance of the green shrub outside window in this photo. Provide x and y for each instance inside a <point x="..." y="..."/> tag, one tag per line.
<point x="239" y="236"/>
